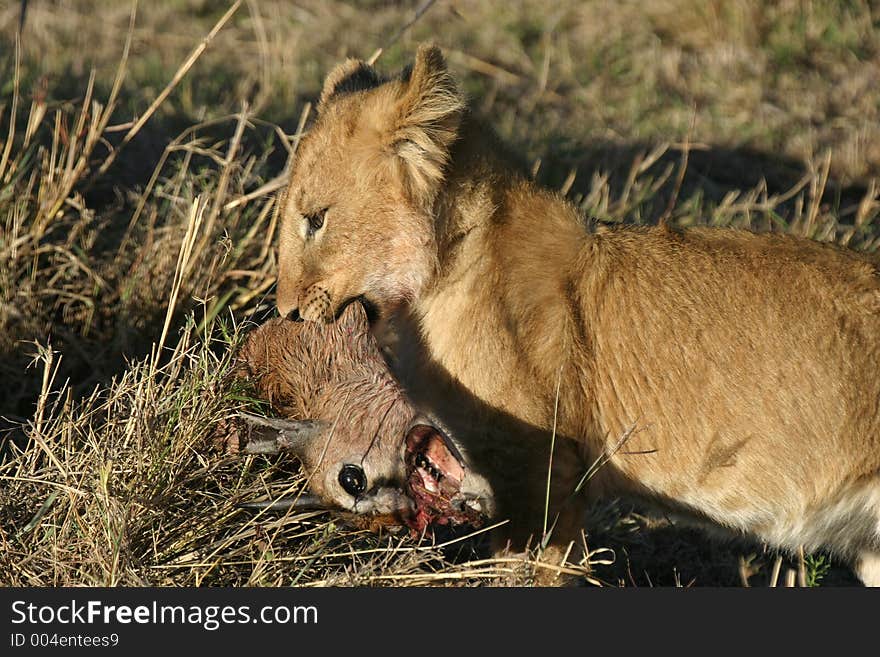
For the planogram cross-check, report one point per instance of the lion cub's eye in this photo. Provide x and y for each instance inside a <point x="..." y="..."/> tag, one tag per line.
<point x="315" y="221"/>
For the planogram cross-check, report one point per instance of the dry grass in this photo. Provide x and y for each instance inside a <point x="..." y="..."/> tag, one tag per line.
<point x="139" y="156"/>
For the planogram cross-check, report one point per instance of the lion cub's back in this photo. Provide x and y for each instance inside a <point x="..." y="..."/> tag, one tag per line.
<point x="748" y="363"/>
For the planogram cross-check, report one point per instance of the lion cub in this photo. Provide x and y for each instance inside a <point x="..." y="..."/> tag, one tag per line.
<point x="726" y="375"/>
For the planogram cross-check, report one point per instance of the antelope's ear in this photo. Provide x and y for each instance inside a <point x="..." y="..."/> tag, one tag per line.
<point x="424" y="123"/>
<point x="349" y="76"/>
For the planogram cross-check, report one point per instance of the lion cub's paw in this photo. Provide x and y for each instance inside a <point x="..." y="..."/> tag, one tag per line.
<point x="553" y="566"/>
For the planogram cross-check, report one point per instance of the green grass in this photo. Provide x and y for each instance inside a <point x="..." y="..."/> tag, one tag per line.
<point x="750" y="114"/>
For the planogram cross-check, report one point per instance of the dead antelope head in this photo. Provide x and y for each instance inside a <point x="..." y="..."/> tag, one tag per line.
<point x="417" y="481"/>
<point x="354" y="482"/>
<point x="362" y="444"/>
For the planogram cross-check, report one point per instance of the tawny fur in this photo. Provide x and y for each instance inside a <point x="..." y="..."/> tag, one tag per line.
<point x="741" y="369"/>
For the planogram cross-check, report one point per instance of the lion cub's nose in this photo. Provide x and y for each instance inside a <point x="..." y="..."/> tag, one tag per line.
<point x="287" y="308"/>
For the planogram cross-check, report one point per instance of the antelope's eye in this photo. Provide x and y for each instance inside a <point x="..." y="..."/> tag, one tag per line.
<point x="316" y="220"/>
<point x="353" y="480"/>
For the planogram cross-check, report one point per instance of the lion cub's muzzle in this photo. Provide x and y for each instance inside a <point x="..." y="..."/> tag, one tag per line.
<point x="316" y="304"/>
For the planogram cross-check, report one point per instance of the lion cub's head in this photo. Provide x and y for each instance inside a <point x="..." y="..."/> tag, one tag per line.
<point x="356" y="220"/>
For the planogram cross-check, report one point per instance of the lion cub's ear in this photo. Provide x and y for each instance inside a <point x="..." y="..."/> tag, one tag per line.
<point x="425" y="122"/>
<point x="351" y="75"/>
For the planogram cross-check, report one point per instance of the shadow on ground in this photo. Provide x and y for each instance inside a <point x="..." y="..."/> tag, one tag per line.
<point x="651" y="550"/>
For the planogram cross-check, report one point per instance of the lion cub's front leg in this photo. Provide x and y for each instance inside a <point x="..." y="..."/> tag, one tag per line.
<point x="548" y="526"/>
